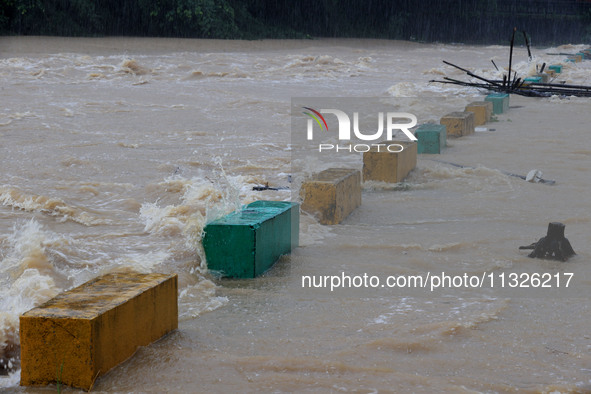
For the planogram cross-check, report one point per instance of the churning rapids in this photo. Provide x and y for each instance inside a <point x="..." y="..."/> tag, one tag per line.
<point x="115" y="152"/>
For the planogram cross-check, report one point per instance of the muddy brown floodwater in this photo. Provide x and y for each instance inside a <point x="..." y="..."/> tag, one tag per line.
<point x="115" y="152"/>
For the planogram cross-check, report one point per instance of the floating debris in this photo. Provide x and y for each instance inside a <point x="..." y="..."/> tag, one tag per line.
<point x="521" y="86"/>
<point x="534" y="176"/>
<point x="260" y="188"/>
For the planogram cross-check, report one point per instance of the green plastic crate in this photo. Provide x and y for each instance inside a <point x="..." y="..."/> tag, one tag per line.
<point x="556" y="67"/>
<point x="500" y="102"/>
<point x="247" y="242"/>
<point x="432" y="138"/>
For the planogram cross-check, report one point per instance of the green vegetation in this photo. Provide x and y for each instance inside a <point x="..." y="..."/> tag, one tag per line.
<point x="481" y="21"/>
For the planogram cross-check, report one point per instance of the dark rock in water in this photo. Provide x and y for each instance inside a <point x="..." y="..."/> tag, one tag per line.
<point x="9" y="358"/>
<point x="553" y="246"/>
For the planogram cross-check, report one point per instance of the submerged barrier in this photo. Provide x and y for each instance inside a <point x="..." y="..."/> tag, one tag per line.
<point x="458" y="124"/>
<point x="391" y="167"/>
<point x="432" y="138"/>
<point x="331" y="195"/>
<point x="84" y="332"/>
<point x="482" y="111"/>
<point x="544" y="77"/>
<point x="500" y="102"/>
<point x="247" y="242"/>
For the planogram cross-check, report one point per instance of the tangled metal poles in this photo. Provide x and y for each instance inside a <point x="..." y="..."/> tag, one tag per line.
<point x="514" y="85"/>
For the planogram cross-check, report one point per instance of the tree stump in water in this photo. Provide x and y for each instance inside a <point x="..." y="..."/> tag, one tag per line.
<point x="553" y="246"/>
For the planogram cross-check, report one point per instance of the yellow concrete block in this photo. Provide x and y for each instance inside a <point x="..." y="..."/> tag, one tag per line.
<point x="84" y="332"/>
<point x="381" y="165"/>
<point x="458" y="123"/>
<point x="331" y="195"/>
<point x="482" y="111"/>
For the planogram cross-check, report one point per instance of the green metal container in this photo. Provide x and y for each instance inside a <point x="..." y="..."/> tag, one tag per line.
<point x="556" y="67"/>
<point x="247" y="242"/>
<point x="532" y="80"/>
<point x="500" y="102"/>
<point x="432" y="138"/>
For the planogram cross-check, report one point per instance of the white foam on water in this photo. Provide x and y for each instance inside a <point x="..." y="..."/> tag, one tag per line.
<point x="30" y="202"/>
<point x="27" y="279"/>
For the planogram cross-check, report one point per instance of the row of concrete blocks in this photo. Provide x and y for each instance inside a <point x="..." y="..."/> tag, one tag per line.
<point x="333" y="194"/>
<point x="246" y="243"/>
<point x="432" y="138"/>
<point x="83" y="333"/>
<point x="544" y="77"/>
<point x="580" y="56"/>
